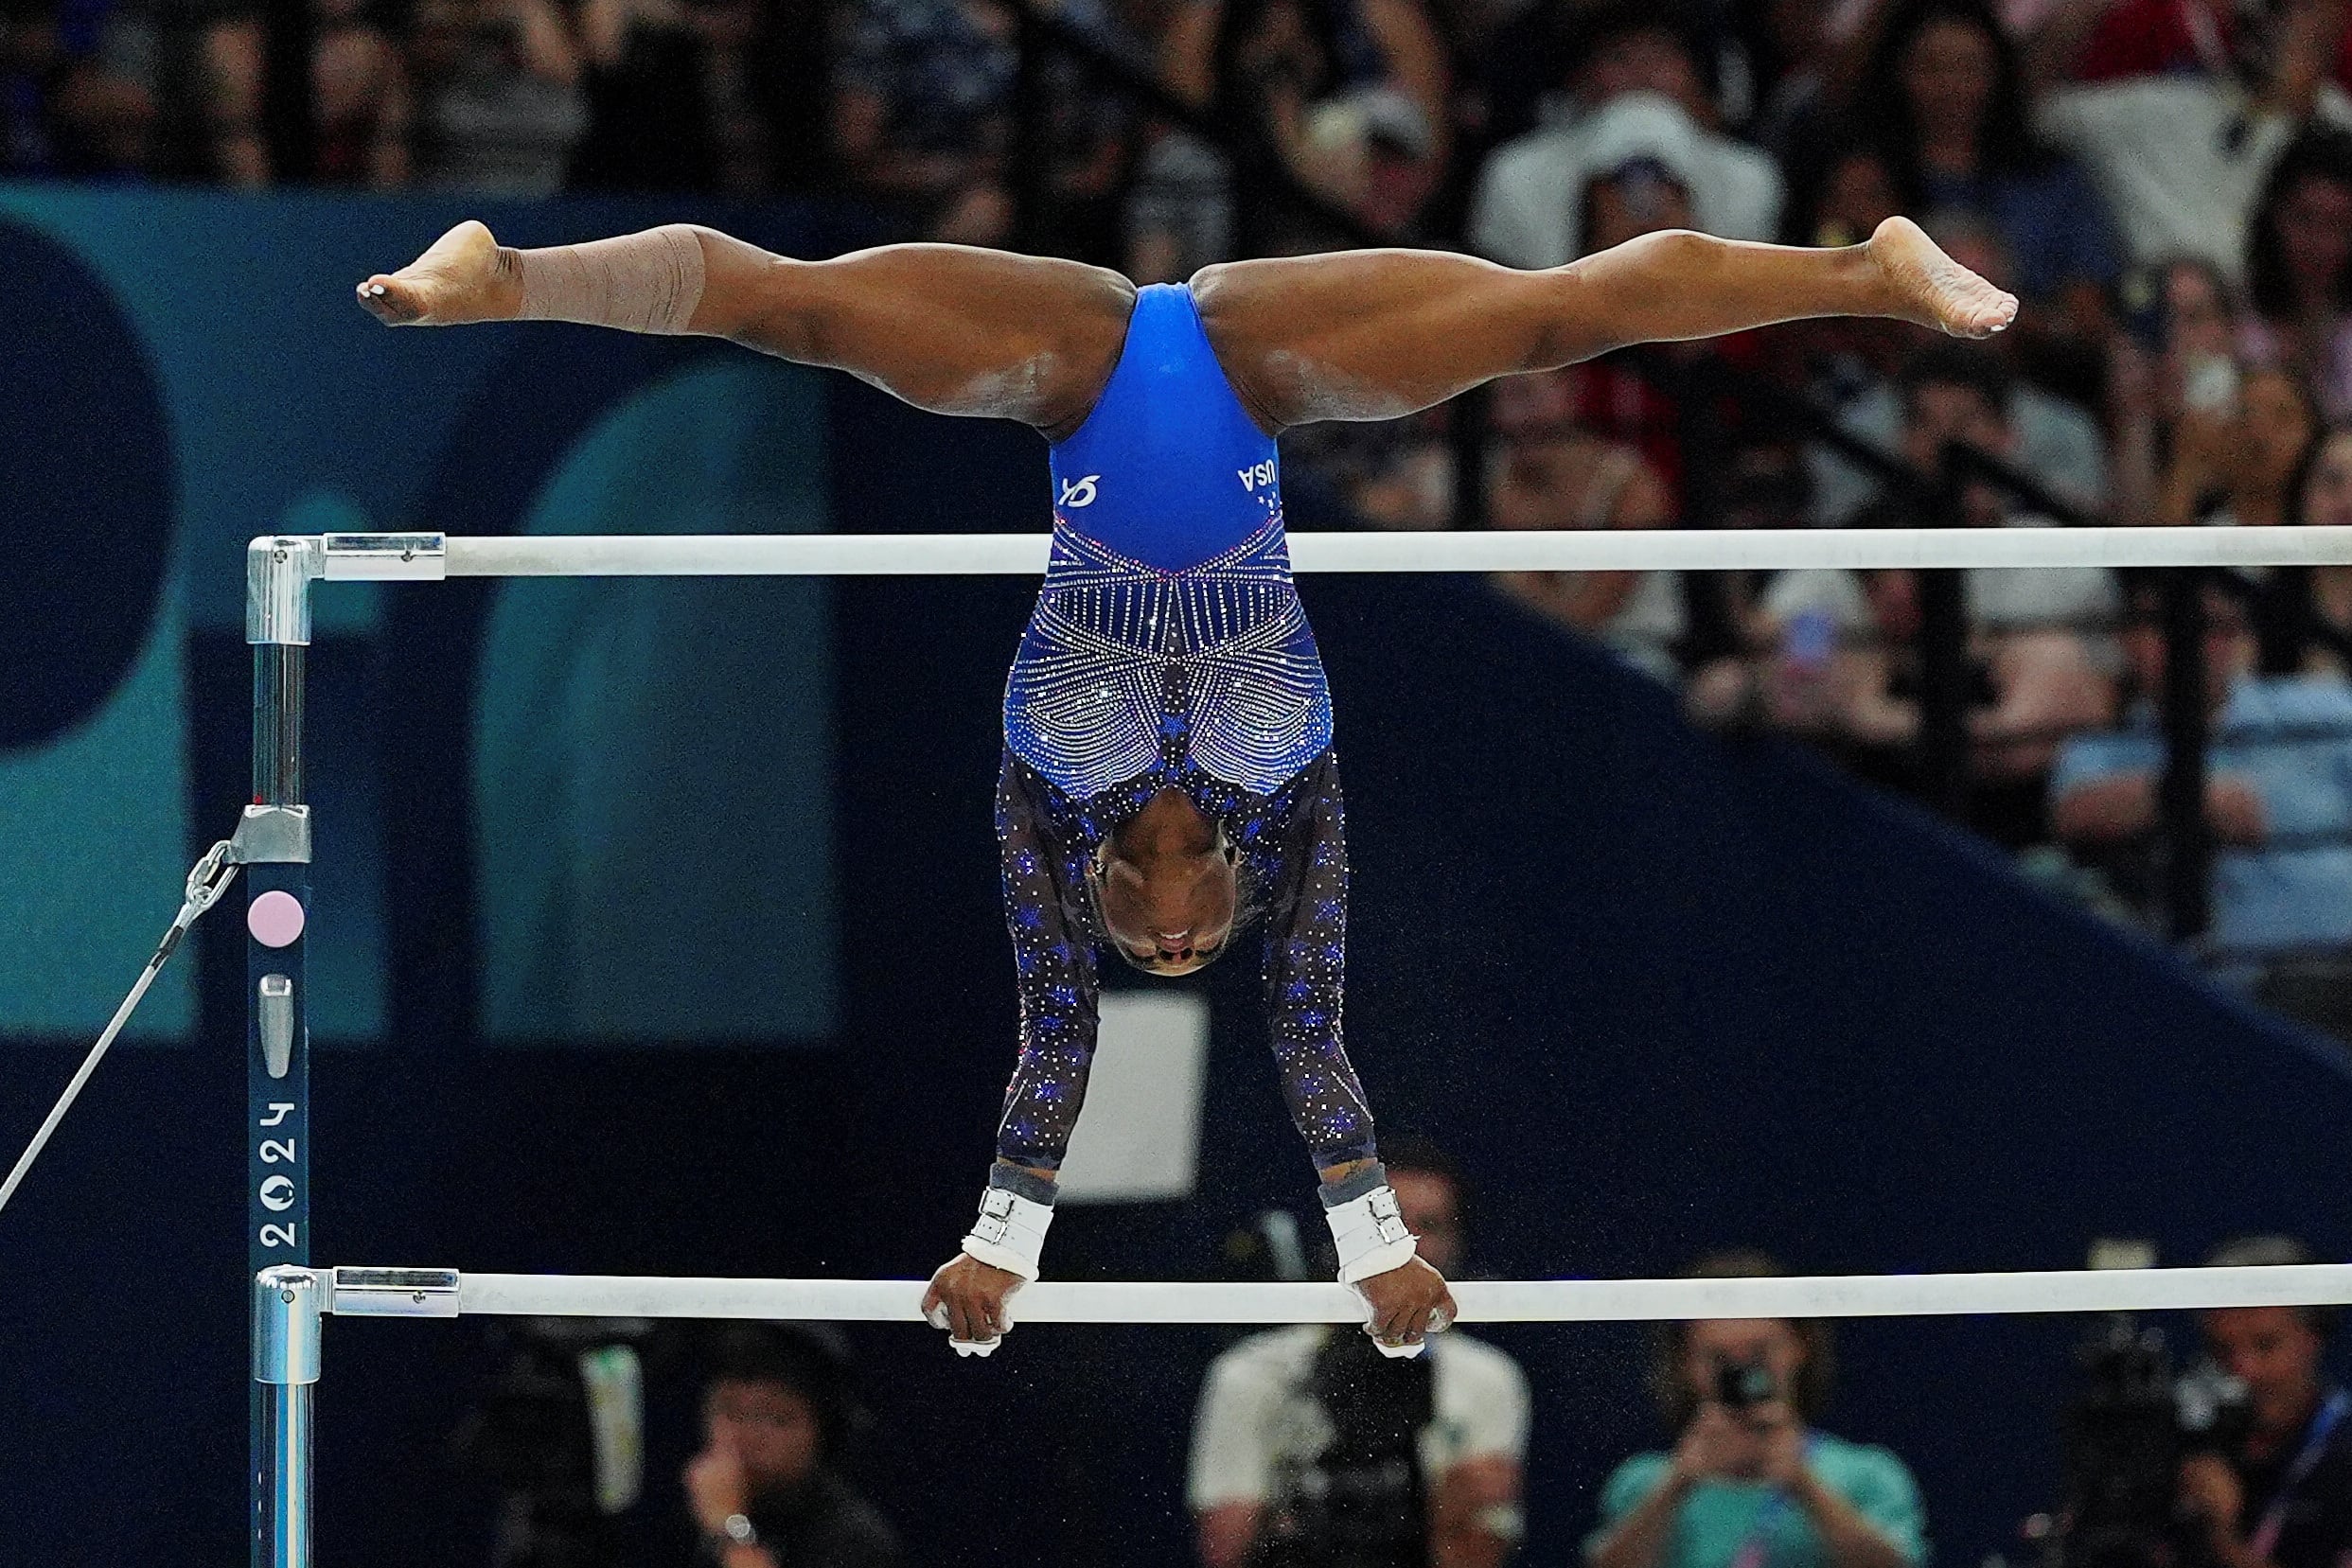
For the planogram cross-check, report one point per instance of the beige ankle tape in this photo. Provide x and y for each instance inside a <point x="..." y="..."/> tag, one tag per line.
<point x="647" y="282"/>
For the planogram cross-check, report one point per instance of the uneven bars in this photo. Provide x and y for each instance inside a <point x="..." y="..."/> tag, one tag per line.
<point x="448" y="1293"/>
<point x="357" y="557"/>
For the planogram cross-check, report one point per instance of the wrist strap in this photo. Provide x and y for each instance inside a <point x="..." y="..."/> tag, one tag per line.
<point x="1371" y="1235"/>
<point x="1010" y="1232"/>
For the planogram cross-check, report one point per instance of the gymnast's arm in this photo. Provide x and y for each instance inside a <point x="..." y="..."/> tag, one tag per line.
<point x="1053" y="963"/>
<point x="947" y="327"/>
<point x="1306" y="933"/>
<point x="1380" y="334"/>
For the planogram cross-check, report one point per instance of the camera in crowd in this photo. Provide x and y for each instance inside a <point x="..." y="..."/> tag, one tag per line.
<point x="2134" y="1417"/>
<point x="558" y="1430"/>
<point x="1742" y="1387"/>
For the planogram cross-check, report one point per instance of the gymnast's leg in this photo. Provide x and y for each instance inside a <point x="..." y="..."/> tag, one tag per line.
<point x="946" y="327"/>
<point x="1378" y="334"/>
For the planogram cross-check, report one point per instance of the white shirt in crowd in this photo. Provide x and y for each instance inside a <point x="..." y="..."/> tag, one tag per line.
<point x="1529" y="205"/>
<point x="2057" y="443"/>
<point x="1999" y="599"/>
<point x="2181" y="159"/>
<point x="1257" y="1422"/>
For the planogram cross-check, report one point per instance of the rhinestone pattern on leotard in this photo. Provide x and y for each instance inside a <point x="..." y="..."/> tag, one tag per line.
<point x="1118" y="650"/>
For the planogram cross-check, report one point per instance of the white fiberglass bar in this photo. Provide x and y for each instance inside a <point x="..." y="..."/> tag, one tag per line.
<point x="429" y="557"/>
<point x="362" y="1291"/>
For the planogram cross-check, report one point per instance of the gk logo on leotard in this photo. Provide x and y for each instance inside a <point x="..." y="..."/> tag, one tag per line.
<point x="1256" y="474"/>
<point x="1079" y="492"/>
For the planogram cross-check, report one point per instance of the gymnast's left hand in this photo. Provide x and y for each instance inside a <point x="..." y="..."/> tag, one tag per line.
<point x="1407" y="1302"/>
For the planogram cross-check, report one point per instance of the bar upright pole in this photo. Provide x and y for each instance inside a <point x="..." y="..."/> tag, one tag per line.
<point x="278" y="573"/>
<point x="287" y="1314"/>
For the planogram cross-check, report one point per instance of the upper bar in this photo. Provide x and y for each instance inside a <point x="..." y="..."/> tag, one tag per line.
<point x="431" y="556"/>
<point x="1482" y="1301"/>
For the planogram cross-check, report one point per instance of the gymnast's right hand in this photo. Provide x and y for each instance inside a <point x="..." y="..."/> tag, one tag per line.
<point x="464" y="276"/>
<point x="972" y="1301"/>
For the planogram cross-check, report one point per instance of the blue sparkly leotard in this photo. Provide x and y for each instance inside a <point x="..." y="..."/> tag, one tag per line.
<point x="1168" y="648"/>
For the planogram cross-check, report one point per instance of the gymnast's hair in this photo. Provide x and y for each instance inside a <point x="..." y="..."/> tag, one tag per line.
<point x="1816" y="1374"/>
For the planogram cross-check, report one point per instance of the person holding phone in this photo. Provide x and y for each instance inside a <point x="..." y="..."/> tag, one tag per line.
<point x="1751" y="1482"/>
<point x="2240" y="432"/>
<point x="2236" y="449"/>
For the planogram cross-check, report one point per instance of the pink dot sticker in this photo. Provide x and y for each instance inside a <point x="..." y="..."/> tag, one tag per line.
<point x="274" y="919"/>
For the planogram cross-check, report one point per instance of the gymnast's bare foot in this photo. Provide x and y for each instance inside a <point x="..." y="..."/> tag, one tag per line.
<point x="462" y="277"/>
<point x="1935" y="290"/>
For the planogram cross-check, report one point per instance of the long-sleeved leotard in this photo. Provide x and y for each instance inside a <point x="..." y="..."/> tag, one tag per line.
<point x="1169" y="649"/>
<point x="1293" y="871"/>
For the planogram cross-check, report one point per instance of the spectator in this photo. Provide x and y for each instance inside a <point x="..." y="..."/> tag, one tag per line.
<point x="2280" y="1496"/>
<point x="1548" y="473"/>
<point x="652" y="104"/>
<point x="2236" y="449"/>
<point x="2298" y="601"/>
<point x="2279" y="794"/>
<point x="66" y="106"/>
<point x="128" y="88"/>
<point x="1550" y="64"/>
<point x="762" y="1492"/>
<point x="1093" y="139"/>
<point x="2181" y="157"/>
<point x="923" y="115"/>
<point x="2182" y="335"/>
<point x="1349" y="98"/>
<point x="359" y="98"/>
<point x="1636" y="98"/>
<point x="1792" y="51"/>
<point x="1752" y="1482"/>
<point x="211" y="56"/>
<point x="500" y="102"/>
<point x="1835" y="654"/>
<point x="1643" y="171"/>
<point x="2299" y="267"/>
<point x="1854" y="196"/>
<point x="2057" y="443"/>
<point x="1944" y="103"/>
<point x="1309" y="1443"/>
<point x="920" y="112"/>
<point x="2216" y="38"/>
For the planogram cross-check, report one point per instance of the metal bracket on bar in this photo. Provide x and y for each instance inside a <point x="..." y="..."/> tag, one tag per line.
<point x="279" y="571"/>
<point x="287" y="1301"/>
<point x="394" y="1293"/>
<point x="271" y="835"/>
<point x="385" y="557"/>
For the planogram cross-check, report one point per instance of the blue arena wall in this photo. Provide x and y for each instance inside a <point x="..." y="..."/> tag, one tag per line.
<point x="1660" y="991"/>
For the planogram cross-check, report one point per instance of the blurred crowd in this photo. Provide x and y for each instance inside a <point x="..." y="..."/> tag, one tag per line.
<point x="1308" y="1449"/>
<point x="2166" y="183"/>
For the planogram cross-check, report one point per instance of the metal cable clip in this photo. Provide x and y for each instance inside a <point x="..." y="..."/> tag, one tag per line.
<point x="208" y="881"/>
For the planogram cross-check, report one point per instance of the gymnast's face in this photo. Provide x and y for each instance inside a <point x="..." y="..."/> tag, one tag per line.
<point x="1165" y="885"/>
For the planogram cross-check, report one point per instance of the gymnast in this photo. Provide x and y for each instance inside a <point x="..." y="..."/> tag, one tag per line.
<point x="1168" y="773"/>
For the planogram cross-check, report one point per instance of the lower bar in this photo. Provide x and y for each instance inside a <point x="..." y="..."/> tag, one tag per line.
<point x="448" y="1293"/>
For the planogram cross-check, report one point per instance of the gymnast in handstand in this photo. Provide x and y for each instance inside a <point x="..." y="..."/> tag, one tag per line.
<point x="1168" y="773"/>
